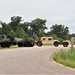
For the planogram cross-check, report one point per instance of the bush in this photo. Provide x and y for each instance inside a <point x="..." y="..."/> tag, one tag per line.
<point x="65" y="58"/>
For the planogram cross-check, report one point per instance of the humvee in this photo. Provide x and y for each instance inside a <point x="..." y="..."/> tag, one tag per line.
<point x="64" y="43"/>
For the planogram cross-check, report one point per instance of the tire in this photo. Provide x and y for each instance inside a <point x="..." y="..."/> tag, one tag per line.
<point x="14" y="43"/>
<point x="39" y="43"/>
<point x="24" y="44"/>
<point x="3" y="45"/>
<point x="8" y="46"/>
<point x="20" y="44"/>
<point x="28" y="44"/>
<point x="56" y="43"/>
<point x="65" y="44"/>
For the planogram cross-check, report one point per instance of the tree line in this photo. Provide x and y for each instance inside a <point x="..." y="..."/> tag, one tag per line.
<point x="34" y="29"/>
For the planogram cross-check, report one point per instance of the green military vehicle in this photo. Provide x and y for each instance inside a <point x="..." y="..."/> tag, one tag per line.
<point x="29" y="43"/>
<point x="7" y="41"/>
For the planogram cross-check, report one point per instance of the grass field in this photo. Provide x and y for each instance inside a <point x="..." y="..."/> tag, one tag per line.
<point x="66" y="58"/>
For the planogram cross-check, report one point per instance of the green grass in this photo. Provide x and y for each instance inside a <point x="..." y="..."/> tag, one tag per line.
<point x="66" y="58"/>
<point x="11" y="47"/>
<point x="47" y="45"/>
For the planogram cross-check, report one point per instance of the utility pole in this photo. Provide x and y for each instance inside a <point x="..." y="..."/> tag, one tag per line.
<point x="72" y="43"/>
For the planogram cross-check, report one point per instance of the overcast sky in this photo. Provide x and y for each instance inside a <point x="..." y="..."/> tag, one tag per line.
<point x="54" y="11"/>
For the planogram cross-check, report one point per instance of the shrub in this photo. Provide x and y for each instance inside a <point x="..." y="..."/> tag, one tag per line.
<point x="65" y="58"/>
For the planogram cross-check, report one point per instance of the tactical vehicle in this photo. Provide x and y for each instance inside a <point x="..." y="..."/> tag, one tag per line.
<point x="64" y="43"/>
<point x="29" y="43"/>
<point x="7" y="41"/>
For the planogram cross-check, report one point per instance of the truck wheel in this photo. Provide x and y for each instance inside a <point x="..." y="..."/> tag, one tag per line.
<point x="56" y="43"/>
<point x="20" y="44"/>
<point x="39" y="43"/>
<point x="14" y="43"/>
<point x="24" y="44"/>
<point x="3" y="45"/>
<point x="65" y="44"/>
<point x="8" y="46"/>
<point x="28" y="44"/>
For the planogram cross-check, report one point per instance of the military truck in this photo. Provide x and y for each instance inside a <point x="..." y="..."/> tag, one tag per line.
<point x="28" y="42"/>
<point x="47" y="40"/>
<point x="7" y="41"/>
<point x="56" y="43"/>
<point x="64" y="43"/>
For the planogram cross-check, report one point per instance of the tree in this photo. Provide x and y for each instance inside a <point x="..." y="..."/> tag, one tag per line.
<point x="30" y="28"/>
<point x="71" y="35"/>
<point x="60" y="30"/>
<point x="12" y="33"/>
<point x="38" y="25"/>
<point x="20" y="33"/>
<point x="25" y="26"/>
<point x="15" y="21"/>
<point x="5" y="28"/>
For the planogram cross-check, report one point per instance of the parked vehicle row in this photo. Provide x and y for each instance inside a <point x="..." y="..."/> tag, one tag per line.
<point x="7" y="41"/>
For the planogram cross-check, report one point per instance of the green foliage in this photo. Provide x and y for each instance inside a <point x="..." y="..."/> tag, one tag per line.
<point x="60" y="30"/>
<point x="20" y="33"/>
<point x="55" y="37"/>
<point x="27" y="29"/>
<point x="15" y="21"/>
<point x="61" y="40"/>
<point x="71" y="35"/>
<point x="5" y="28"/>
<point x="12" y="33"/>
<point x="37" y="38"/>
<point x="36" y="27"/>
<point x="25" y="26"/>
<point x="65" y="58"/>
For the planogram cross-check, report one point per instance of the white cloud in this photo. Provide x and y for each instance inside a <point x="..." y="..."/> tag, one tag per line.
<point x="55" y="11"/>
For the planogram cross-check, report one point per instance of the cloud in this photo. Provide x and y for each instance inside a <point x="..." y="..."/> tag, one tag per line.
<point x="55" y="11"/>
